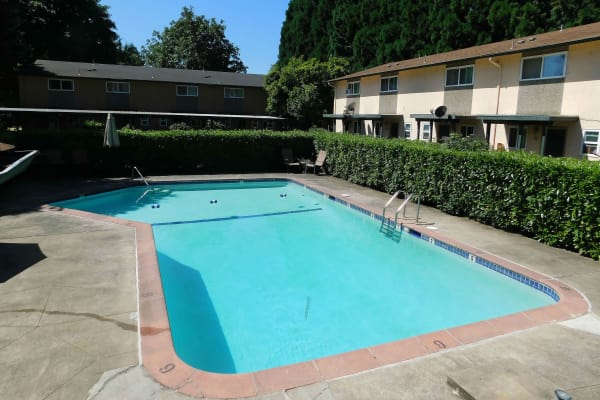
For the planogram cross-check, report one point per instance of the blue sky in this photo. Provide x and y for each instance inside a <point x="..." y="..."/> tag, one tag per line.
<point x="253" y="26"/>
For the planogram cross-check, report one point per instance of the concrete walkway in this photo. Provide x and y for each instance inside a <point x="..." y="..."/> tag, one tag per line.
<point x="68" y="327"/>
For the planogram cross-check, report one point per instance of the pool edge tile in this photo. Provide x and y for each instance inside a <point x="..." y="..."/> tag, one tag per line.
<point x="160" y="360"/>
<point x="287" y="377"/>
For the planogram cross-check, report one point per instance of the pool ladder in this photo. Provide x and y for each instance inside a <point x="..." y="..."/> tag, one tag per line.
<point x="148" y="190"/>
<point x="388" y="225"/>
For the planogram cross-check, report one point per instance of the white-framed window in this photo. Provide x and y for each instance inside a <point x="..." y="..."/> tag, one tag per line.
<point x="163" y="122"/>
<point x="61" y="85"/>
<point x="389" y="84"/>
<point x="517" y="138"/>
<point x="544" y="67"/>
<point x="467" y="130"/>
<point x="591" y="142"/>
<point x="459" y="76"/>
<point x="353" y="88"/>
<point x="117" y="87"/>
<point x="187" y="90"/>
<point x="407" y="130"/>
<point x="234" y="93"/>
<point x="426" y="131"/>
<point x="144" y="122"/>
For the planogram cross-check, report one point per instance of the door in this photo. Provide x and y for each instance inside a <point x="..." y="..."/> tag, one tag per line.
<point x="394" y="130"/>
<point x="554" y="142"/>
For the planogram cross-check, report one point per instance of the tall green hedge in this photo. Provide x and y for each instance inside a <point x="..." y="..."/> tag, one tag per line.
<point x="162" y="152"/>
<point x="555" y="200"/>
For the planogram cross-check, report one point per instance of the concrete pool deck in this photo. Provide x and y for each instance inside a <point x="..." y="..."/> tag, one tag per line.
<point x="68" y="311"/>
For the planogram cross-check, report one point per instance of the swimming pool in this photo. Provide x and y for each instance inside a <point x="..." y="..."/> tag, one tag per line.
<point x="262" y="274"/>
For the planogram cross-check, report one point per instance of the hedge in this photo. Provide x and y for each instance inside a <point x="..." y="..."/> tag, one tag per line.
<point x="162" y="152"/>
<point x="555" y="200"/>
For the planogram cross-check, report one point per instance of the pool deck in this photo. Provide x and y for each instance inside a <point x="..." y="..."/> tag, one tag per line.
<point x="69" y="315"/>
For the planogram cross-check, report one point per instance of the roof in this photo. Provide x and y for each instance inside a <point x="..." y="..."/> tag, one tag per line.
<point x="134" y="73"/>
<point x="578" y="34"/>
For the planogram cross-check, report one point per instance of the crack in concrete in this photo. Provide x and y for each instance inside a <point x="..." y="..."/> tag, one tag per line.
<point x="111" y="378"/>
<point x="122" y="325"/>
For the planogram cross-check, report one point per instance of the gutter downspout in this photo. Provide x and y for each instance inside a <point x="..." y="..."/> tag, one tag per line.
<point x="497" y="65"/>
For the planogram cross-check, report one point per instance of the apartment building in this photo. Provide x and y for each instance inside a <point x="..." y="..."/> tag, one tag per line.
<point x="144" y="97"/>
<point x="537" y="93"/>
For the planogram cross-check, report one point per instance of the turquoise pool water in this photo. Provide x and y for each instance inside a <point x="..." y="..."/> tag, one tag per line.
<point x="263" y="274"/>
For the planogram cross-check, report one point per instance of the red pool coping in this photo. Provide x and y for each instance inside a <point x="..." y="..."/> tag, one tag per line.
<point x="160" y="360"/>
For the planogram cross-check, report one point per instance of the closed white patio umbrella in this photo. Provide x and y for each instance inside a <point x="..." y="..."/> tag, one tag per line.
<point x="111" y="136"/>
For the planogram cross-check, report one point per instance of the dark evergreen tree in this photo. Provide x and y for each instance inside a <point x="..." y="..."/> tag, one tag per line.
<point x="374" y="32"/>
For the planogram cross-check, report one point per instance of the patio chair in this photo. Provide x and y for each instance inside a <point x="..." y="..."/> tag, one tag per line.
<point x="318" y="163"/>
<point x="288" y="159"/>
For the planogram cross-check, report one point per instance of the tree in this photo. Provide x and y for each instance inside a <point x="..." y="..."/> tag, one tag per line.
<point x="128" y="54"/>
<point x="375" y="32"/>
<point x="64" y="30"/>
<point x="299" y="91"/>
<point x="193" y="42"/>
<point x="68" y="30"/>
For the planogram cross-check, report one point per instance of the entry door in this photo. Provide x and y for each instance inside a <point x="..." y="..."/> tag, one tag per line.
<point x="555" y="142"/>
<point x="394" y="130"/>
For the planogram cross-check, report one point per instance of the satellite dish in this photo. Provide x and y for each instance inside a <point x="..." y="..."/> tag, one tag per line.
<point x="440" y="111"/>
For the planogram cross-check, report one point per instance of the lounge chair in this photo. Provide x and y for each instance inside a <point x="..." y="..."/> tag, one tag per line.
<point x="288" y="159"/>
<point x="318" y="163"/>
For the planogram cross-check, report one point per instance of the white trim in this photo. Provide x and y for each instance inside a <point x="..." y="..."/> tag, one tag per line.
<point x="388" y="78"/>
<point x="584" y="142"/>
<point x="409" y="124"/>
<point x="121" y="112"/>
<point x="187" y="90"/>
<point x="61" y="85"/>
<point x="543" y="57"/>
<point x="230" y="93"/>
<point x="472" y="66"/>
<point x="352" y="92"/>
<point x="428" y="125"/>
<point x="118" y="87"/>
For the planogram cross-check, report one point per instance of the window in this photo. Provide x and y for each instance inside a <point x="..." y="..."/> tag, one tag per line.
<point x="517" y="137"/>
<point x="377" y="129"/>
<point x="389" y="84"/>
<point x="144" y="122"/>
<point x="254" y="124"/>
<point x="353" y="88"/>
<point x="467" y="130"/>
<point x="459" y="76"/>
<point x="186" y="90"/>
<point x="356" y="128"/>
<point x="544" y="67"/>
<point x="234" y="93"/>
<point x="117" y="87"/>
<point x="63" y="85"/>
<point x="163" y="122"/>
<point x="426" y="131"/>
<point x="407" y="129"/>
<point x="590" y="142"/>
<point x="269" y="125"/>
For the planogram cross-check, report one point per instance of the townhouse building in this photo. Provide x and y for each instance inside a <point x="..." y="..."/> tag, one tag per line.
<point x="59" y="93"/>
<point x="537" y="93"/>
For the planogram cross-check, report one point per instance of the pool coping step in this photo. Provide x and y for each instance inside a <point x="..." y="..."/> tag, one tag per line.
<point x="501" y="379"/>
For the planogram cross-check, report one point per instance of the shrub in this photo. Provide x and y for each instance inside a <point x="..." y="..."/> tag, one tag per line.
<point x="91" y="124"/>
<point x="555" y="200"/>
<point x="179" y="126"/>
<point x="468" y="143"/>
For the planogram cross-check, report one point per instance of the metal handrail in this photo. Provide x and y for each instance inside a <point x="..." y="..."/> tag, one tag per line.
<point x="390" y="202"/>
<point x="140" y="174"/>
<point x="402" y="208"/>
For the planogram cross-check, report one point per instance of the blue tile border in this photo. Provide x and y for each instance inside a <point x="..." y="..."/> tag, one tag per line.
<point x="453" y="249"/>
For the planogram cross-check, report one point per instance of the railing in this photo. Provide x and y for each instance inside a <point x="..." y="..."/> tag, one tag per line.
<point x="135" y="169"/>
<point x="388" y="225"/>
